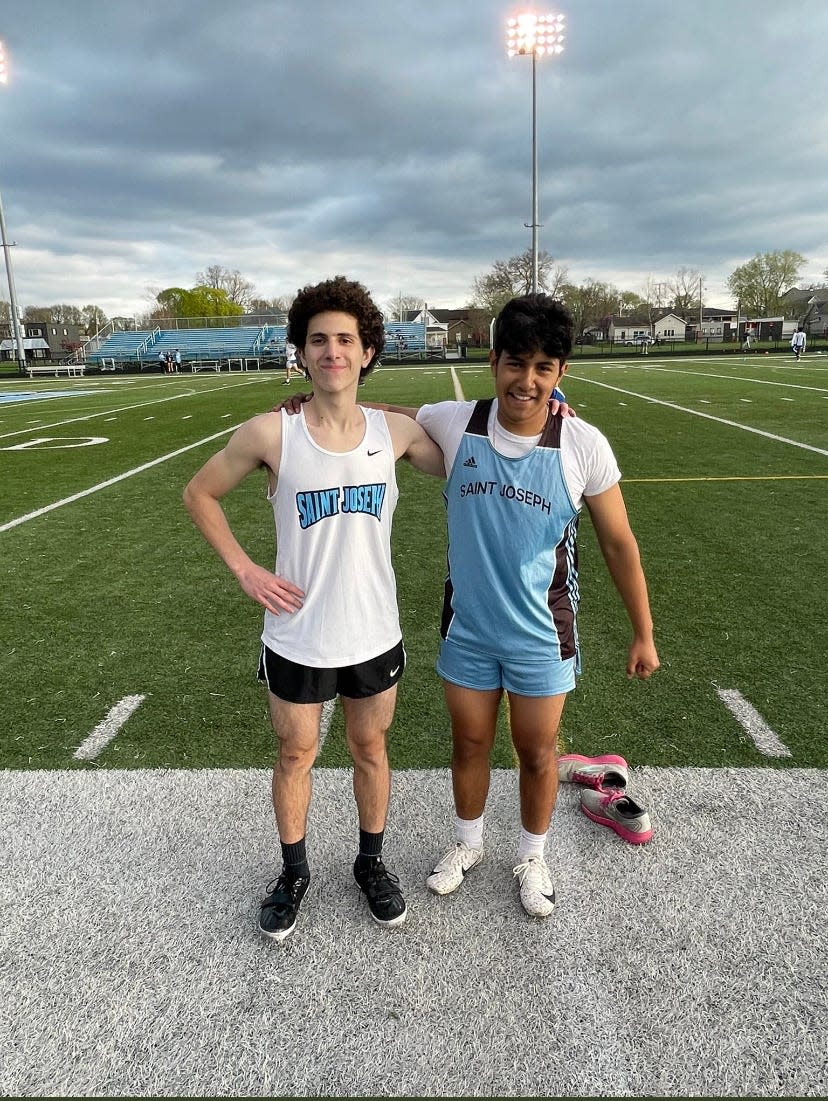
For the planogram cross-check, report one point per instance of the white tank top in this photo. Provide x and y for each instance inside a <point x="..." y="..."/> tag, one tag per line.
<point x="333" y="513"/>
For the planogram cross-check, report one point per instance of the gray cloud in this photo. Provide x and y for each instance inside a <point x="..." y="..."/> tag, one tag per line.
<point x="392" y="141"/>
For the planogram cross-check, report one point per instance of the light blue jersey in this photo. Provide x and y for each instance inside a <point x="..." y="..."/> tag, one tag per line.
<point x="512" y="586"/>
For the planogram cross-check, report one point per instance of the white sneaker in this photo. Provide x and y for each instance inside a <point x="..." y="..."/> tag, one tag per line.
<point x="450" y="871"/>
<point x="537" y="893"/>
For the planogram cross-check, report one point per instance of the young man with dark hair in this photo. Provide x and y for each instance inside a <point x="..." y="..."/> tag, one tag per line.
<point x="518" y="475"/>
<point x="331" y="621"/>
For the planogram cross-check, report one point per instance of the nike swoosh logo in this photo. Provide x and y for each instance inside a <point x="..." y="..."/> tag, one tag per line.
<point x="394" y="672"/>
<point x="375" y="452"/>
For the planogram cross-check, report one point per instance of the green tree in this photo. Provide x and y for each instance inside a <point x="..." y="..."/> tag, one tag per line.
<point x="199" y="302"/>
<point x="759" y="284"/>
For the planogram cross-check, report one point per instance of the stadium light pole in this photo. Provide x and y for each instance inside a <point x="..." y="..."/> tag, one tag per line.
<point x="537" y="36"/>
<point x="15" y="317"/>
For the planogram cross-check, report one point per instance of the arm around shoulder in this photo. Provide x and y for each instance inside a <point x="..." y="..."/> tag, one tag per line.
<point x="413" y="443"/>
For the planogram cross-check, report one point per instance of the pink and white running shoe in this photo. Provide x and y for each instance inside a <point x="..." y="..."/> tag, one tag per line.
<point x="620" y="813"/>
<point x="607" y="771"/>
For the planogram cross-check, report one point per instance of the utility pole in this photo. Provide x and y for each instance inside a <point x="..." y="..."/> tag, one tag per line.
<point x="15" y="313"/>
<point x="13" y="308"/>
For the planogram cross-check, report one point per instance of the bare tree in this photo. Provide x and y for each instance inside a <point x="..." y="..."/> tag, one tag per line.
<point x="239" y="290"/>
<point x="94" y="318"/>
<point x="684" y="290"/>
<point x="509" y="278"/>
<point x="590" y="303"/>
<point x="397" y="307"/>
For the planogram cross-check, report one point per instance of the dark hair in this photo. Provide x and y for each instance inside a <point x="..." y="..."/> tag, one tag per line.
<point x="343" y="296"/>
<point x="534" y="323"/>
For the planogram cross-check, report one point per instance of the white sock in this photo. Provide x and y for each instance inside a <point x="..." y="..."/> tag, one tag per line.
<point x="530" y="844"/>
<point x="470" y="831"/>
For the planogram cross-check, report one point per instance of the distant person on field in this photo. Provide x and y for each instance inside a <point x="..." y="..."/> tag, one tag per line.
<point x="291" y="366"/>
<point x="747" y="340"/>
<point x="177" y="360"/>
<point x="162" y="361"/>
<point x="331" y="623"/>
<point x="518" y="475"/>
<point x="798" y="341"/>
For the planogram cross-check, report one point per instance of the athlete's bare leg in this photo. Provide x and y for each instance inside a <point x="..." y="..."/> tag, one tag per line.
<point x="534" y="722"/>
<point x="366" y="725"/>
<point x="297" y="732"/>
<point x="473" y="727"/>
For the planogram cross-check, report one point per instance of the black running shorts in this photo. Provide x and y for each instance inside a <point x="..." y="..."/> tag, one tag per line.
<point x="305" y="684"/>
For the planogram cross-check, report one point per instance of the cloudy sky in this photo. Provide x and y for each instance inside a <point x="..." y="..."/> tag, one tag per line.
<point x="142" y="141"/>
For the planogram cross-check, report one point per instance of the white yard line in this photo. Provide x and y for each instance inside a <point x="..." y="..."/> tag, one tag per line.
<point x="700" y="413"/>
<point x="106" y="730"/>
<point x="138" y="405"/>
<point x="734" y="378"/>
<point x="112" y="481"/>
<point x="458" y="389"/>
<point x="766" y="740"/>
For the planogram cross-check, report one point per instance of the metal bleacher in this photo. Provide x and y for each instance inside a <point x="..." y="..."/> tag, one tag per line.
<point x="243" y="346"/>
<point x="404" y="340"/>
<point x="214" y="348"/>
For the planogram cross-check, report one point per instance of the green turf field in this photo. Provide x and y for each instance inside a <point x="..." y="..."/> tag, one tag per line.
<point x="114" y="593"/>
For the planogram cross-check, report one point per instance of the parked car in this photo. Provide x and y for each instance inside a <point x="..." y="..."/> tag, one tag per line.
<point x="637" y="341"/>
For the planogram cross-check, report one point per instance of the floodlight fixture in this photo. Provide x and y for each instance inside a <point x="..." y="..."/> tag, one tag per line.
<point x="536" y="36"/>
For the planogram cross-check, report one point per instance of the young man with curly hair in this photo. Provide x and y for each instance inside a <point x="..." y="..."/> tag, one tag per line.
<point x="331" y="625"/>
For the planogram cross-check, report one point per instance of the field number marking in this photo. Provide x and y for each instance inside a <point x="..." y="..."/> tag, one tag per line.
<point x="113" y="481"/>
<point x="54" y="443"/>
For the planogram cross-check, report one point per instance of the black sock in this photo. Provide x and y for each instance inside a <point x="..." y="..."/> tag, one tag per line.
<point x="295" y="858"/>
<point x="370" y="847"/>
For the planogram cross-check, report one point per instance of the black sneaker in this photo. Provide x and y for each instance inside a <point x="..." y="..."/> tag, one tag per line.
<point x="281" y="905"/>
<point x="382" y="889"/>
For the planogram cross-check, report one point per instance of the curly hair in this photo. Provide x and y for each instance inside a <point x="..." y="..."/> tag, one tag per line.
<point x="532" y="323"/>
<point x="343" y="296"/>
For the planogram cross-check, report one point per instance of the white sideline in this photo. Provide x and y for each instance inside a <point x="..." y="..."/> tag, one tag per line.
<point x="106" y="730"/>
<point x="137" y="405"/>
<point x="692" y="966"/>
<point x="699" y="413"/>
<point x="766" y="740"/>
<point x="118" y="478"/>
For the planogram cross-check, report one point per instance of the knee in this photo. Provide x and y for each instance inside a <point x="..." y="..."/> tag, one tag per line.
<point x="536" y="760"/>
<point x="468" y="747"/>
<point x="294" y="760"/>
<point x="368" y="752"/>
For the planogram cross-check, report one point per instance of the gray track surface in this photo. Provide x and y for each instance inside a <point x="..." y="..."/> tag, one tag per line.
<point x="131" y="962"/>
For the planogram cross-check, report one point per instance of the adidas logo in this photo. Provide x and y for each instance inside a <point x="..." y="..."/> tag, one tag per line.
<point x="471" y="462"/>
